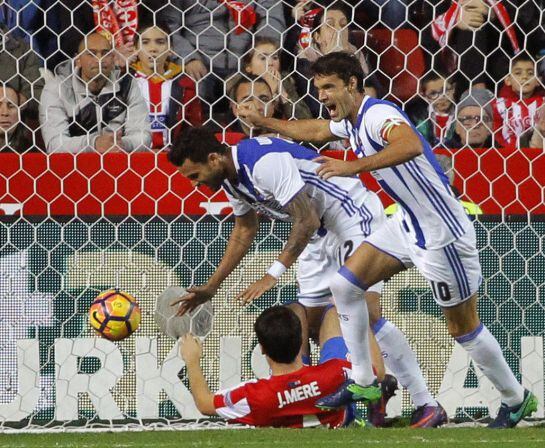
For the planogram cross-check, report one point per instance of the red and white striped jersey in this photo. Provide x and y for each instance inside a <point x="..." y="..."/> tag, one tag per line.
<point x="172" y="100"/>
<point x="287" y="400"/>
<point x="514" y="118"/>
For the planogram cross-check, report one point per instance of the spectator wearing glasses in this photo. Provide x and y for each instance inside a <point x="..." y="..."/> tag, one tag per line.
<point x="433" y="113"/>
<point x="473" y="127"/>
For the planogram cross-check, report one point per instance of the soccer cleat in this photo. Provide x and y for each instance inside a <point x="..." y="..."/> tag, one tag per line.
<point x="348" y="393"/>
<point x="508" y="417"/>
<point x="428" y="417"/>
<point x="376" y="412"/>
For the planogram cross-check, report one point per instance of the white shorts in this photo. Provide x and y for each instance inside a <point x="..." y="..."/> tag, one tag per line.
<point x="323" y="257"/>
<point x="453" y="272"/>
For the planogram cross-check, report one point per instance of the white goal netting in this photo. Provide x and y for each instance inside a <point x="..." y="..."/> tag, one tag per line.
<point x="88" y="201"/>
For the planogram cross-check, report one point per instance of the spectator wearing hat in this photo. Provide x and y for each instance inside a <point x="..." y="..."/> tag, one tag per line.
<point x="473" y="127"/>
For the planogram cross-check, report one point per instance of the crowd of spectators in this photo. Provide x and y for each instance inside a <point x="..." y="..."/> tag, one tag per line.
<point x="128" y="75"/>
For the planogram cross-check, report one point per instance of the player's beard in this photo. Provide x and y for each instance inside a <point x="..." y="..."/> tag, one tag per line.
<point x="344" y="105"/>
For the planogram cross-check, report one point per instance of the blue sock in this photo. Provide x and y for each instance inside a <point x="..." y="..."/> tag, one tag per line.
<point x="333" y="348"/>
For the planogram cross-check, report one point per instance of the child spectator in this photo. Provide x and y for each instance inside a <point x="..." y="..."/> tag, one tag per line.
<point x="14" y="135"/>
<point x="434" y="115"/>
<point x="170" y="95"/>
<point x="264" y="61"/>
<point x="514" y="115"/>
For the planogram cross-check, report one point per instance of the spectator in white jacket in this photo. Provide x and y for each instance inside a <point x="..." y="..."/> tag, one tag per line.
<point x="88" y="106"/>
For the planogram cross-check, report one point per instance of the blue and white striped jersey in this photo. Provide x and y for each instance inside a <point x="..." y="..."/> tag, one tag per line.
<point x="430" y="211"/>
<point x="271" y="171"/>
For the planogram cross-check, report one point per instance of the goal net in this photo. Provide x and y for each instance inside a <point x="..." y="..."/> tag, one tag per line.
<point x="76" y="220"/>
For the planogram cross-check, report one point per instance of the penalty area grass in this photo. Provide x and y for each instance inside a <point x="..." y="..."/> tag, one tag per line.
<point x="285" y="438"/>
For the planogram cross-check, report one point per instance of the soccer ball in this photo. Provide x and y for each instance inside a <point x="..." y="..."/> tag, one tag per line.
<point x="114" y="315"/>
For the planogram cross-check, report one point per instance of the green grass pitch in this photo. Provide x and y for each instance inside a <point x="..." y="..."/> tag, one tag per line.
<point x="285" y="438"/>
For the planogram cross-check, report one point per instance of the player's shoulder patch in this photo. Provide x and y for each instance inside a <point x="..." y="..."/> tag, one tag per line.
<point x="388" y="125"/>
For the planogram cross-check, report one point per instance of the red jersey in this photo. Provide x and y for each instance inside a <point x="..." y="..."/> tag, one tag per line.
<point x="287" y="400"/>
<point x="513" y="118"/>
<point x="172" y="101"/>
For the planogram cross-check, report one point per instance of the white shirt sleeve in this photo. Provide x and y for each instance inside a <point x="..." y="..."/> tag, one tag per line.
<point x="379" y="119"/>
<point x="338" y="128"/>
<point x="278" y="175"/>
<point x="240" y="207"/>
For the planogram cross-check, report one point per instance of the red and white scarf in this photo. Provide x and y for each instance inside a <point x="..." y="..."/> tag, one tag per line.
<point x="243" y="15"/>
<point x="444" y="24"/>
<point x="118" y="18"/>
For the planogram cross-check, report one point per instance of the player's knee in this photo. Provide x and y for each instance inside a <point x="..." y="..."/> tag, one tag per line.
<point x="459" y="324"/>
<point x="343" y="288"/>
<point x="462" y="319"/>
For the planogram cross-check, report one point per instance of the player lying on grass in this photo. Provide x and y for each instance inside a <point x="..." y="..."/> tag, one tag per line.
<point x="330" y="219"/>
<point x="431" y="231"/>
<point x="287" y="398"/>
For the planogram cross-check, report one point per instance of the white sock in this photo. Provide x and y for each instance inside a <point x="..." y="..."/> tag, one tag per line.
<point x="354" y="320"/>
<point x="487" y="355"/>
<point x="401" y="360"/>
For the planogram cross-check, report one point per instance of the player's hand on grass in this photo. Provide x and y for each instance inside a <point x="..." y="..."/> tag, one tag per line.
<point x="332" y="167"/>
<point x="195" y="296"/>
<point x="257" y="289"/>
<point x="190" y="348"/>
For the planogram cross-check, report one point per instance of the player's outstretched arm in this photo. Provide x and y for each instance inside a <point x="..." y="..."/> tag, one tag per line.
<point x="239" y="243"/>
<point x="191" y="353"/>
<point x="305" y="223"/>
<point x="315" y="131"/>
<point x="402" y="145"/>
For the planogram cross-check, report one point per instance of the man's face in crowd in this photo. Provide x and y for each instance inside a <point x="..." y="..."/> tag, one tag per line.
<point x="9" y="110"/>
<point x="473" y="126"/>
<point x="259" y="95"/>
<point x="96" y="58"/>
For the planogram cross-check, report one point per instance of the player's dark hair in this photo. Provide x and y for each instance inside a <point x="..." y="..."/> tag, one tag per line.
<point x="342" y="64"/>
<point x="195" y="144"/>
<point x="278" y="330"/>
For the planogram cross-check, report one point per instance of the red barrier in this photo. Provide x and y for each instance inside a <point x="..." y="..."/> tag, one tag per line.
<point x="146" y="184"/>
